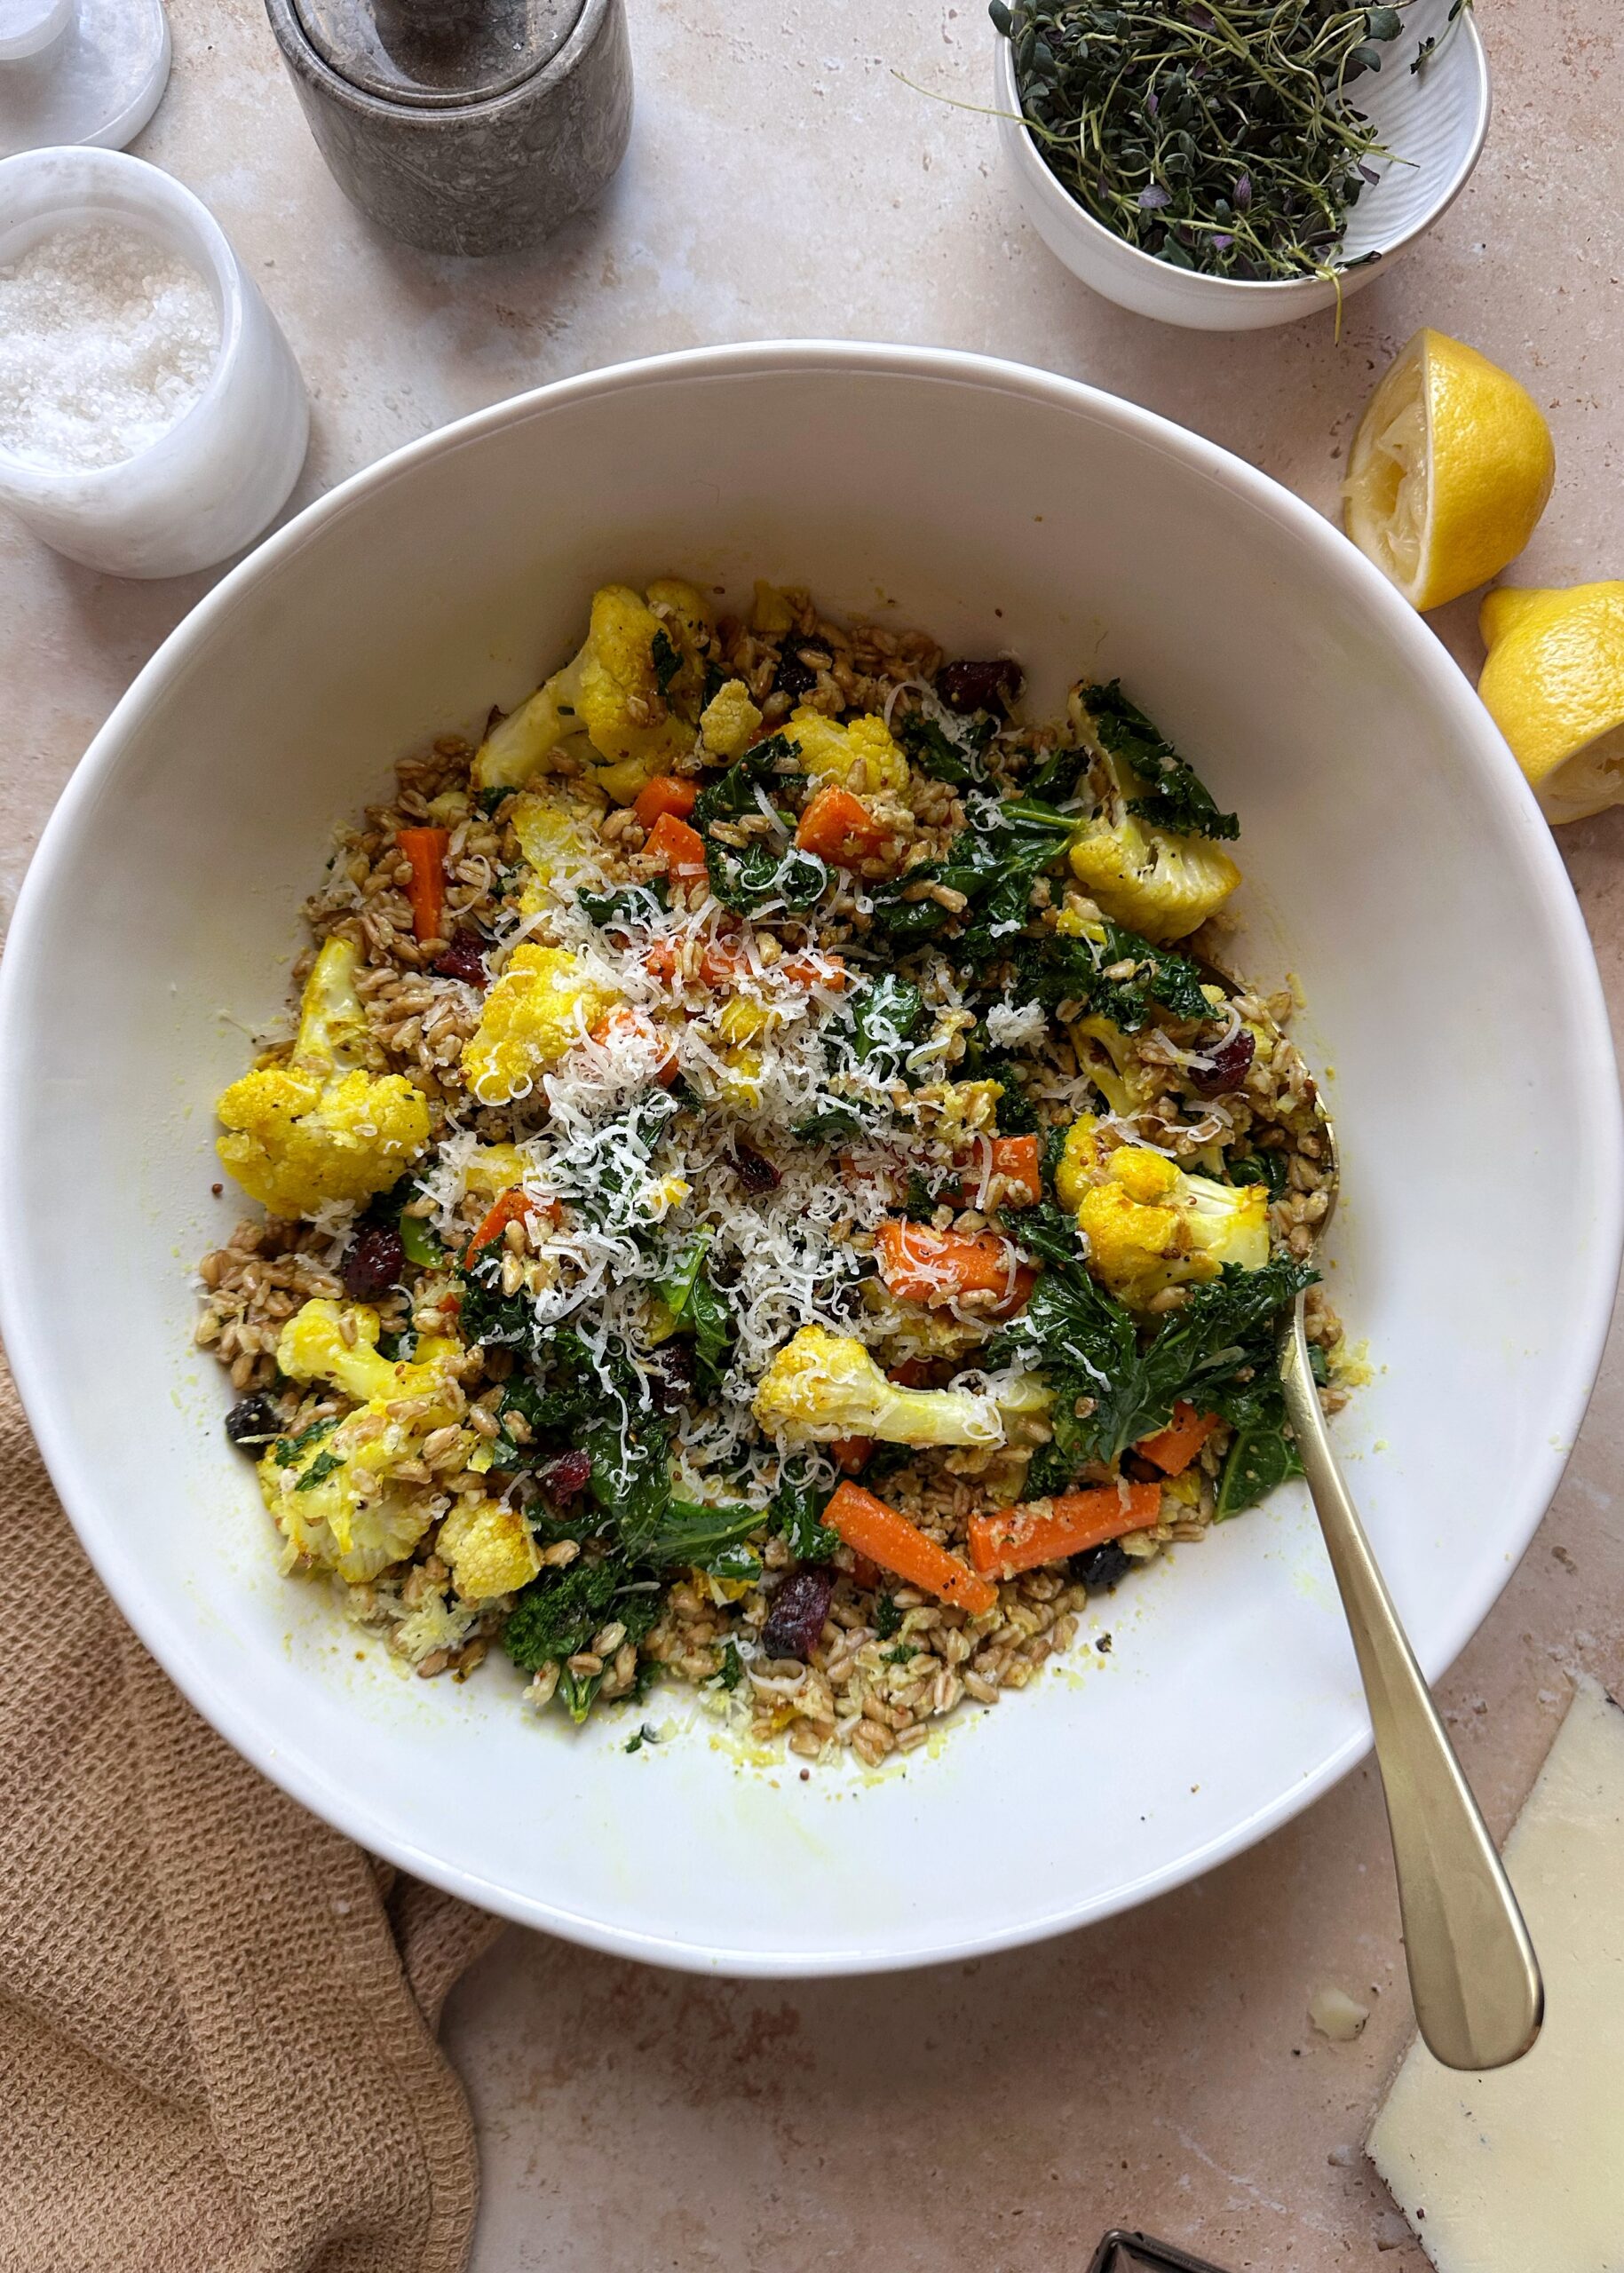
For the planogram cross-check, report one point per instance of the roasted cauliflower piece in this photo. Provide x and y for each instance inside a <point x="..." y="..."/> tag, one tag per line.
<point x="543" y="1003"/>
<point x="336" y="1492"/>
<point x="730" y="721"/>
<point x="822" y="1385"/>
<point x="319" y="1128"/>
<point x="633" y="691"/>
<point x="1147" y="1224"/>
<point x="860" y="755"/>
<point x="1158" y="885"/>
<point x="490" y="1548"/>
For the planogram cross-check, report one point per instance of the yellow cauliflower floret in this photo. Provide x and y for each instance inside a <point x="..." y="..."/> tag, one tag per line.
<point x="1158" y="885"/>
<point x="312" y="1131"/>
<point x="339" y="1500"/>
<point x="338" y="1342"/>
<point x="1112" y="1062"/>
<point x="822" y="1385"/>
<point x="489" y="1547"/>
<point x="542" y="1002"/>
<point x="1147" y="1224"/>
<point x="557" y="828"/>
<point x="861" y="756"/>
<point x="730" y="721"/>
<point x="610" y="692"/>
<point x="492" y="1170"/>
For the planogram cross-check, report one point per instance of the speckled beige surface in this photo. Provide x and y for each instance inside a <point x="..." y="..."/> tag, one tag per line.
<point x="782" y="180"/>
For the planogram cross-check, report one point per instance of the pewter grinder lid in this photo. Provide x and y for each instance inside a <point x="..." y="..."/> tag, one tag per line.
<point x="433" y="52"/>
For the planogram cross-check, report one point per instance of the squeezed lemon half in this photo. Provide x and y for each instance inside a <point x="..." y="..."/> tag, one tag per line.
<point x="1554" y="684"/>
<point x="1449" y="472"/>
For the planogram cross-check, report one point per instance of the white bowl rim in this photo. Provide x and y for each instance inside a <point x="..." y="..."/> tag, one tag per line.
<point x="164" y="1626"/>
<point x="1046" y="183"/>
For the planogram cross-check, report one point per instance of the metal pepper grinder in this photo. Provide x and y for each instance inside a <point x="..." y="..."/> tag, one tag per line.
<point x="468" y="126"/>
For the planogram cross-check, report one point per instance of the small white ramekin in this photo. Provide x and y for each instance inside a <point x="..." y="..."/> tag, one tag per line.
<point x="1434" y="121"/>
<point x="213" y="480"/>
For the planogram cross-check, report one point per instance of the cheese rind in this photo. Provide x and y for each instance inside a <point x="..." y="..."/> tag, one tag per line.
<point x="1522" y="2171"/>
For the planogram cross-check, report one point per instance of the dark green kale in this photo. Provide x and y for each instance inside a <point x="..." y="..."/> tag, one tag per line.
<point x="1088" y="1347"/>
<point x="729" y="1673"/>
<point x="665" y="659"/>
<point x="733" y="794"/>
<point x="710" y="1539"/>
<point x="993" y="868"/>
<point x="1268" y="1169"/>
<point x="745" y="880"/>
<point x="645" y="1735"/>
<point x="885" y="1019"/>
<point x="1060" y="968"/>
<point x="488" y="1319"/>
<point x="831" y="1124"/>
<point x="555" y="1616"/>
<point x="323" y="1466"/>
<point x="795" y="1511"/>
<point x="1173" y="795"/>
<point x="887" y="1617"/>
<point x="488" y="800"/>
<point x="631" y="904"/>
<point x="698" y="1309"/>
<point x="957" y="757"/>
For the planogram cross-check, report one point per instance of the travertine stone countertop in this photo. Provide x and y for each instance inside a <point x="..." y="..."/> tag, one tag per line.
<point x="1159" y="2071"/>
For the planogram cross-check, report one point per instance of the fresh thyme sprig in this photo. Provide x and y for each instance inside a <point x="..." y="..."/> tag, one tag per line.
<point x="1217" y="134"/>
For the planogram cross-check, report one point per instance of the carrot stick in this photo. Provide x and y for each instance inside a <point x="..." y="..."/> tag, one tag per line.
<point x="680" y="847"/>
<point x="1173" y="1448"/>
<point x="870" y="1527"/>
<point x="923" y="1265"/>
<point x="665" y="794"/>
<point x="839" y="827"/>
<point x="425" y="849"/>
<point x="1047" y="1530"/>
<point x="1016" y="1160"/>
<point x="512" y="1207"/>
<point x="625" y="1018"/>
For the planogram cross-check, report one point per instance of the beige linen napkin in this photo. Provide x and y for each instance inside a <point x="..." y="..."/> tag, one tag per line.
<point x="216" y="2015"/>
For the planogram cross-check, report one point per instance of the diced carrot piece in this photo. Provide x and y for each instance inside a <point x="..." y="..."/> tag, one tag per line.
<point x="721" y="964"/>
<point x="863" y="1573"/>
<point x="1173" y="1448"/>
<point x="1016" y="1160"/>
<point x="912" y="1373"/>
<point x="679" y="848"/>
<point x="425" y="890"/>
<point x="850" y="1453"/>
<point x="923" y="1265"/>
<point x="1020" y="1539"/>
<point x="871" y="1528"/>
<point x="515" y="1205"/>
<point x="665" y="794"/>
<point x="625" y="1020"/>
<point x="839" y="827"/>
<point x="817" y="970"/>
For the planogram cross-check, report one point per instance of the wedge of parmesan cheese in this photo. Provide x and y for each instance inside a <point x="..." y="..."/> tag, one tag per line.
<point x="1522" y="2171"/>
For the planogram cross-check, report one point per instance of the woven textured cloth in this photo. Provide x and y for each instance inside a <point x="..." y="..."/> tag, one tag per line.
<point x="216" y="2015"/>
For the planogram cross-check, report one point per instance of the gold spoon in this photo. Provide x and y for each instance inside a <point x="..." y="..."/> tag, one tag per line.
<point x="1474" y="1978"/>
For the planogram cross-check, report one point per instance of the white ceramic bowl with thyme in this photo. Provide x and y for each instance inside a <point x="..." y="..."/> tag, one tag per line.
<point x="1433" y="121"/>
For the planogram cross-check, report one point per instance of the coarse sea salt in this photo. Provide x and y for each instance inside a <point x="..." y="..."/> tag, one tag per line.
<point x="106" y="340"/>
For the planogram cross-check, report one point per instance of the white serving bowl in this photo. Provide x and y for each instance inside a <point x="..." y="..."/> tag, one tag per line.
<point x="1434" y="121"/>
<point x="1395" y="860"/>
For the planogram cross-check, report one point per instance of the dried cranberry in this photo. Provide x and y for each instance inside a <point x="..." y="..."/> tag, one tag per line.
<point x="1100" y="1567"/>
<point x="568" y="1476"/>
<point x="756" y="1173"/>
<point x="671" y="1374"/>
<point x="375" y="1264"/>
<point x="795" y="678"/>
<point x="980" y="686"/>
<point x="1226" y="1067"/>
<point x="464" y="957"/>
<point x="252" y="1421"/>
<point x="795" y="1622"/>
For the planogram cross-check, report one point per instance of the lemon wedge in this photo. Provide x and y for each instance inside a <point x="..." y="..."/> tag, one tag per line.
<point x="1449" y="472"/>
<point x="1554" y="684"/>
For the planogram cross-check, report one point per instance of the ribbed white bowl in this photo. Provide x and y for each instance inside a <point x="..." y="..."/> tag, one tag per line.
<point x="1434" y="121"/>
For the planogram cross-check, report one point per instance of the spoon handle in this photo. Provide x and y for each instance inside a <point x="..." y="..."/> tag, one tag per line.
<point x="1474" y="1978"/>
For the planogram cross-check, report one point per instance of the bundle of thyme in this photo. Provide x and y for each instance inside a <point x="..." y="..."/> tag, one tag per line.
<point x="1216" y="134"/>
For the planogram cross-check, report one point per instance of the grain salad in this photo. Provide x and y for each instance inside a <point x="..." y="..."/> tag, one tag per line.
<point x="765" y="1182"/>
